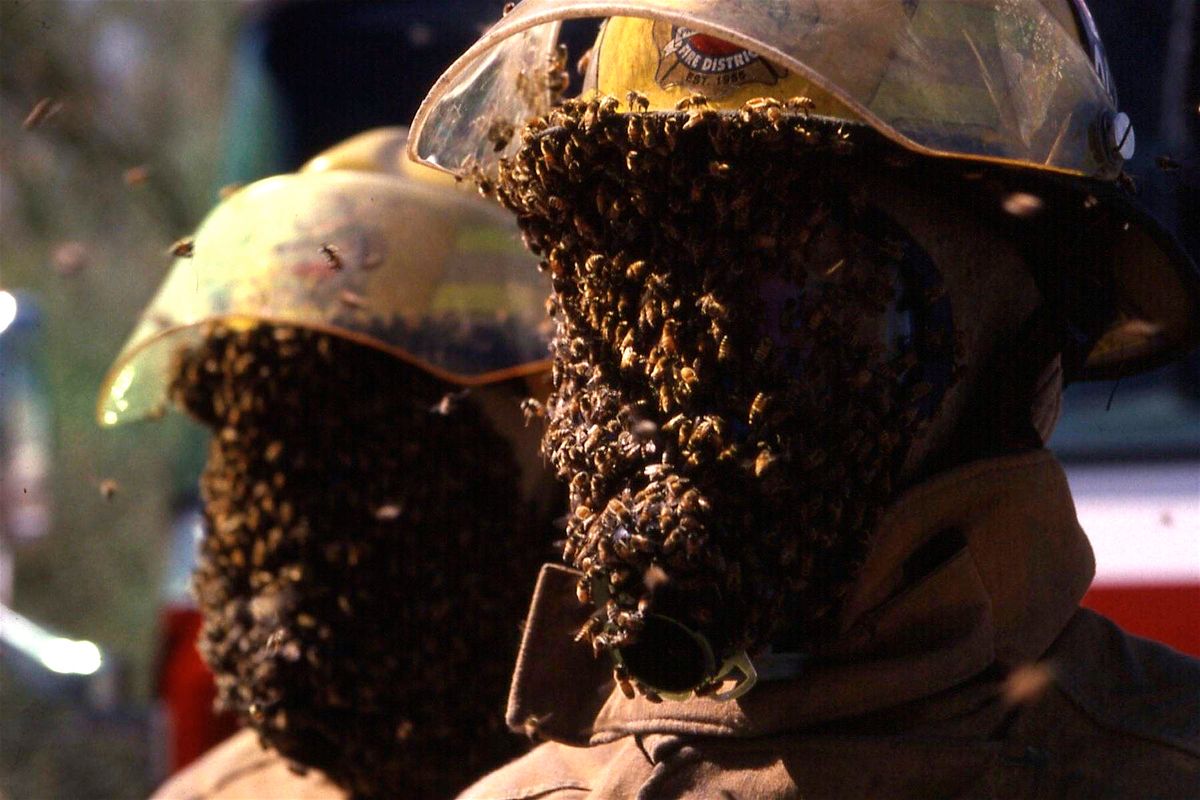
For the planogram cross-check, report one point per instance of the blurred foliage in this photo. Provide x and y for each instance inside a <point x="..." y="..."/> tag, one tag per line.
<point x="142" y="86"/>
<point x="92" y="755"/>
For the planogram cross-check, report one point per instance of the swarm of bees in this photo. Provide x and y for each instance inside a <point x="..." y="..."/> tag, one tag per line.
<point x="349" y="593"/>
<point x="725" y="469"/>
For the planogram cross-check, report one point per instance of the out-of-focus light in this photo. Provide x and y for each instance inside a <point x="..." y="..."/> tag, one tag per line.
<point x="111" y="418"/>
<point x="56" y="653"/>
<point x="123" y="382"/>
<point x="70" y="657"/>
<point x="8" y="310"/>
<point x="1023" y="204"/>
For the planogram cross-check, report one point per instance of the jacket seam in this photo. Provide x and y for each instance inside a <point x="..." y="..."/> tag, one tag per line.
<point x="539" y="790"/>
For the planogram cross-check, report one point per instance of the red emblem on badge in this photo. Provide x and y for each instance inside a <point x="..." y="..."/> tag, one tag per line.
<point x="707" y="64"/>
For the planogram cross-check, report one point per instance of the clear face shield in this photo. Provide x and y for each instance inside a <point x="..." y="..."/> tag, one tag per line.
<point x="415" y="267"/>
<point x="1004" y="81"/>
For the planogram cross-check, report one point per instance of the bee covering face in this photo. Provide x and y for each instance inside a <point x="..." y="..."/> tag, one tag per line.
<point x="747" y="348"/>
<point x="350" y="594"/>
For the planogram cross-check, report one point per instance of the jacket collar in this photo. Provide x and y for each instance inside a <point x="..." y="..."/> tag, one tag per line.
<point x="982" y="565"/>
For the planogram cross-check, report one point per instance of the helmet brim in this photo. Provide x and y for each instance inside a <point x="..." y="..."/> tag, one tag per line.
<point x="1123" y="282"/>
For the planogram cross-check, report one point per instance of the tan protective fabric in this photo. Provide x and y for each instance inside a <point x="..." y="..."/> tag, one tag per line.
<point x="240" y="769"/>
<point x="972" y="674"/>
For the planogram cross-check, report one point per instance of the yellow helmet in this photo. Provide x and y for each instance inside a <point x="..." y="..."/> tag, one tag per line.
<point x="1016" y="94"/>
<point x="360" y="243"/>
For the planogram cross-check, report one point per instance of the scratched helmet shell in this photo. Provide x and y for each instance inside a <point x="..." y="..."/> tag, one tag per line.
<point x="1015" y="95"/>
<point x="359" y="243"/>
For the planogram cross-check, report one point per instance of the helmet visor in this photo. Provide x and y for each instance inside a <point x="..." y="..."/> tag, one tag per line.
<point x="996" y="80"/>
<point x="430" y="274"/>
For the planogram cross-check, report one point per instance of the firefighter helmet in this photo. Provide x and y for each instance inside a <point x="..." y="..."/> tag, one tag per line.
<point x="362" y="244"/>
<point x="1015" y="95"/>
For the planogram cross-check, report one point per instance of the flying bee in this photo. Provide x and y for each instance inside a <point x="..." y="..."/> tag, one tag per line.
<point x="669" y="340"/>
<point x="763" y="462"/>
<point x="758" y="407"/>
<point x="711" y="307"/>
<point x="533" y="409"/>
<point x="43" y="110"/>
<point x="643" y="544"/>
<point x="633" y="131"/>
<point x="636" y="271"/>
<point x="760" y="103"/>
<point x="557" y="77"/>
<point x="763" y="351"/>
<point x="1167" y="164"/>
<point x="583" y="591"/>
<point x="549" y="156"/>
<point x="500" y="133"/>
<point x="624" y="681"/>
<point x="332" y="256"/>
<point x="388" y="513"/>
<point x="698" y="115"/>
<point x="183" y="248"/>
<point x="664" y="398"/>
<point x="802" y="104"/>
<point x="670" y="131"/>
<point x="590" y="629"/>
<point x="651" y="136"/>
<point x="136" y="176"/>
<point x="607" y="107"/>
<point x="534" y="724"/>
<point x="584" y="62"/>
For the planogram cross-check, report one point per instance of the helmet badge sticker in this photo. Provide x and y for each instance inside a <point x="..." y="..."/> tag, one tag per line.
<point x="707" y="64"/>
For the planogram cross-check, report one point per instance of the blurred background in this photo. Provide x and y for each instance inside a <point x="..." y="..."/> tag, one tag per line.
<point x="121" y="120"/>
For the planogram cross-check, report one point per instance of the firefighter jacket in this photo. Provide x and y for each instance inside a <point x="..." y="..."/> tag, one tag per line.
<point x="964" y="668"/>
<point x="241" y="769"/>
